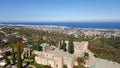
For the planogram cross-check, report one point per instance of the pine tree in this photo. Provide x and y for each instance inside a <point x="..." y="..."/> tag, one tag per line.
<point x="71" y="47"/>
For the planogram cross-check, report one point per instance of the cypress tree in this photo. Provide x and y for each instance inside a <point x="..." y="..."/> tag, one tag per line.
<point x="71" y="47"/>
<point x="63" y="44"/>
<point x="64" y="47"/>
<point x="60" y="45"/>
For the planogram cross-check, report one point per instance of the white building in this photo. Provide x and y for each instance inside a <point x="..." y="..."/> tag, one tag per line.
<point x="2" y="61"/>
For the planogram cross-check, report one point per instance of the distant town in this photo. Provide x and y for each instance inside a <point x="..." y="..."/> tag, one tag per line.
<point x="50" y="46"/>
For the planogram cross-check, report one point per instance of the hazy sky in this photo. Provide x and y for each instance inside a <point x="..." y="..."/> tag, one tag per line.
<point x="59" y="10"/>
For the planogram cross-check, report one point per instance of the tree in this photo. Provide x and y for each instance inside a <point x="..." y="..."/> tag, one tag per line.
<point x="19" y="59"/>
<point x="63" y="42"/>
<point x="36" y="46"/>
<point x="80" y="60"/>
<point x="64" y="66"/>
<point x="71" y="47"/>
<point x="19" y="47"/>
<point x="13" y="56"/>
<point x="60" y="45"/>
<point x="64" y="45"/>
<point x="86" y="56"/>
<point x="7" y="60"/>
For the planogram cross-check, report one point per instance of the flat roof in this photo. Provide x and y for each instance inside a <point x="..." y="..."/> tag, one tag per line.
<point x="60" y="53"/>
<point x="2" y="63"/>
<point x="1" y="56"/>
<point x="43" y="57"/>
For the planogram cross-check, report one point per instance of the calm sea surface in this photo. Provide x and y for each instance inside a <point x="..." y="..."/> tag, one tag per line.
<point x="111" y="25"/>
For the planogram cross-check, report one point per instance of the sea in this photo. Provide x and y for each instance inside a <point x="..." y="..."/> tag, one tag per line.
<point x="106" y="25"/>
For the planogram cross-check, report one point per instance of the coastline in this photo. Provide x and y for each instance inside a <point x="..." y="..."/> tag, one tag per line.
<point x="96" y="25"/>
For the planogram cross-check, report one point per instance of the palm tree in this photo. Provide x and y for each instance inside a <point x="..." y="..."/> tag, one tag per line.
<point x="18" y="48"/>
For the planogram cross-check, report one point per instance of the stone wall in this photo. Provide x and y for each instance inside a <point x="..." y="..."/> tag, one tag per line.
<point x="54" y="61"/>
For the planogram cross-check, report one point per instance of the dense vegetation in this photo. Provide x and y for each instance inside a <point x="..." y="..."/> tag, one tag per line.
<point x="106" y="48"/>
<point x="35" y="35"/>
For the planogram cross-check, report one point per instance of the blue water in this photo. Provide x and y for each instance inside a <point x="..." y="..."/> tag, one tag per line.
<point x="110" y="25"/>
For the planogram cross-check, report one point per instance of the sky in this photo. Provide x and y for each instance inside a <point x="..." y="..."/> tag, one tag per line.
<point x="59" y="10"/>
